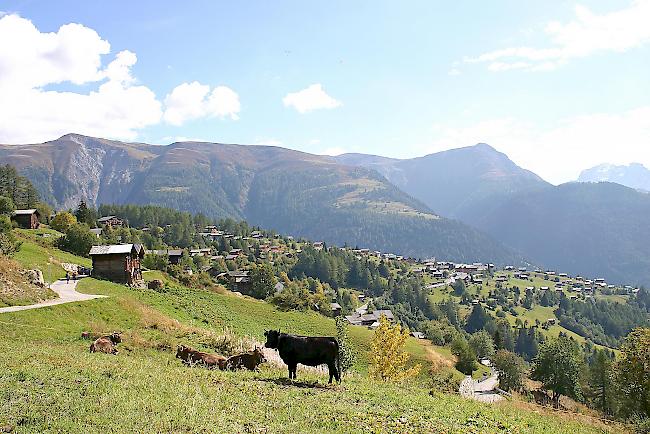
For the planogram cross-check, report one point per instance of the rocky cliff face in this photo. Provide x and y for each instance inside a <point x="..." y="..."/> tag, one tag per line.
<point x="76" y="167"/>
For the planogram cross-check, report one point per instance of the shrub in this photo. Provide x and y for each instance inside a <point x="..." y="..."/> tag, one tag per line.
<point x="482" y="344"/>
<point x="77" y="239"/>
<point x="155" y="262"/>
<point x="466" y="362"/>
<point x="511" y="368"/>
<point x="388" y="358"/>
<point x="347" y="355"/>
<point x="62" y="221"/>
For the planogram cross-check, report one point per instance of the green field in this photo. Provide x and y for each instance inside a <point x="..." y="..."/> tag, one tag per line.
<point x="37" y="252"/>
<point x="51" y="383"/>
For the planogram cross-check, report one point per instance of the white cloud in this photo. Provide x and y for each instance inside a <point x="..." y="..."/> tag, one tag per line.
<point x="31" y="60"/>
<point x="585" y="35"/>
<point x="194" y="100"/>
<point x="115" y="107"/>
<point x="558" y="153"/>
<point x="310" y="98"/>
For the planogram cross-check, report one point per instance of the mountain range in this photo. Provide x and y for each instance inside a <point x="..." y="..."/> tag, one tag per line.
<point x="634" y="175"/>
<point x="468" y="204"/>
<point x="595" y="229"/>
<point x="290" y="191"/>
<point x="459" y="183"/>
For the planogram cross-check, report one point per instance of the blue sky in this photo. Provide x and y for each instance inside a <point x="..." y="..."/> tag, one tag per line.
<point x="559" y="86"/>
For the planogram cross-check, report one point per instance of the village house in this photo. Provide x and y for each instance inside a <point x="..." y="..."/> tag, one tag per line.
<point x="173" y="255"/>
<point x="201" y="252"/>
<point x="336" y="309"/>
<point x="239" y="280"/>
<point x="26" y="218"/>
<point x="110" y="220"/>
<point x="361" y="317"/>
<point x="467" y="268"/>
<point x="96" y="231"/>
<point x="118" y="263"/>
<point x="417" y="335"/>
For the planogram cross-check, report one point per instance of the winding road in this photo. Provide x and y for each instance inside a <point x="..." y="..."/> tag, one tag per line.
<point x="483" y="391"/>
<point x="67" y="294"/>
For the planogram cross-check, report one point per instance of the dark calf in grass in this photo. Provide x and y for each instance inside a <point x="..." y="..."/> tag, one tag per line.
<point x="106" y="344"/>
<point x="306" y="350"/>
<point x="191" y="356"/>
<point x="250" y="360"/>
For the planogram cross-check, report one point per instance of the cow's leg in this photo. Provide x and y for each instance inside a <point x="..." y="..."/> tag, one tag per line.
<point x="294" y="368"/>
<point x="334" y="372"/>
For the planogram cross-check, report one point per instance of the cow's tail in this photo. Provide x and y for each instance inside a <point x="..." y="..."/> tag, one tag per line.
<point x="339" y="366"/>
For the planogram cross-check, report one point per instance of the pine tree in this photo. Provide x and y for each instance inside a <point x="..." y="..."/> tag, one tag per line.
<point x="600" y="385"/>
<point x="84" y="214"/>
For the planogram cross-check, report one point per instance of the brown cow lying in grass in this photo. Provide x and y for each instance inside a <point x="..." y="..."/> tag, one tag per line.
<point x="250" y="360"/>
<point x="191" y="356"/>
<point x="106" y="344"/>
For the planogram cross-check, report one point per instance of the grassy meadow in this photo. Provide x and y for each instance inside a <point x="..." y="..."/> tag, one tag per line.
<point x="51" y="383"/>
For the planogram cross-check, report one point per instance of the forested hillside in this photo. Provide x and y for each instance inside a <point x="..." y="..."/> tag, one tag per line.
<point x="290" y="191"/>
<point x="584" y="228"/>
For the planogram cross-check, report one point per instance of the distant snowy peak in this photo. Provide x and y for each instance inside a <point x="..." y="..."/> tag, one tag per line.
<point x="633" y="175"/>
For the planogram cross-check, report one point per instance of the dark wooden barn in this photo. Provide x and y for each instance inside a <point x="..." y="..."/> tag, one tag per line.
<point x="26" y="218"/>
<point x="118" y="263"/>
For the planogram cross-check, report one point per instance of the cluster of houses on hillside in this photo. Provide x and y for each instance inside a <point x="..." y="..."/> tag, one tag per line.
<point x="122" y="263"/>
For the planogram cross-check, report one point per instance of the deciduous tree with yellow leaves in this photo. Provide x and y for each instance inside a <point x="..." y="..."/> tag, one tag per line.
<point x="388" y="358"/>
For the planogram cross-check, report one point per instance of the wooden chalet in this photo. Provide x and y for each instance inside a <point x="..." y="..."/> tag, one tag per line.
<point x="110" y="220"/>
<point x="118" y="263"/>
<point x="26" y="218"/>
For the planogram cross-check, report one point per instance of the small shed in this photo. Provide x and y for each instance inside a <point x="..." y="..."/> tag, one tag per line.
<point x="26" y="218"/>
<point x="118" y="263"/>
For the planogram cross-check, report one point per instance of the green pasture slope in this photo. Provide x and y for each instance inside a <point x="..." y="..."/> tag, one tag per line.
<point x="51" y="383"/>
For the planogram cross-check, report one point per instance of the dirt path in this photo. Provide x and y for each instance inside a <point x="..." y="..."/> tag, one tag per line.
<point x="483" y="391"/>
<point x="67" y="294"/>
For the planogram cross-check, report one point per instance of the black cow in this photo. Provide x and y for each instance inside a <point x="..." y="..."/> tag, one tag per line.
<point x="307" y="350"/>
